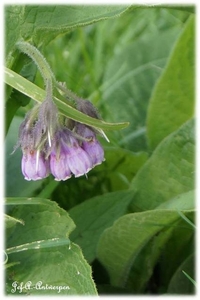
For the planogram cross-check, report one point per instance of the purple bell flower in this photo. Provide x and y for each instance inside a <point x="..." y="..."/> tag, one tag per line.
<point x="58" y="159"/>
<point x="59" y="167"/>
<point x="95" y="151"/>
<point x="34" y="165"/>
<point x="50" y="146"/>
<point x="71" y="158"/>
<point x="78" y="161"/>
<point x="92" y="147"/>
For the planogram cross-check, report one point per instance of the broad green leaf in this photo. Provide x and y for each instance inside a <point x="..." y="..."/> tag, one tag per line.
<point x="129" y="79"/>
<point x="93" y="216"/>
<point x="168" y="172"/>
<point x="172" y="102"/>
<point x="46" y="22"/>
<point x="42" y="23"/>
<point x="146" y="269"/>
<point x="179" y="283"/>
<point x="28" y="88"/>
<point x="44" y="251"/>
<point x="13" y="18"/>
<point x="178" y="247"/>
<point x="185" y="201"/>
<point x="144" y="263"/>
<point x="120" y="245"/>
<point x="55" y="221"/>
<point x="61" y="266"/>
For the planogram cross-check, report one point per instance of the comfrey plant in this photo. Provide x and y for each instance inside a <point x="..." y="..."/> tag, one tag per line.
<point x="52" y="143"/>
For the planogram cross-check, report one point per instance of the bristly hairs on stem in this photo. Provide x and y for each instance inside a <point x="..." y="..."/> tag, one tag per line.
<point x="39" y="60"/>
<point x="44" y="69"/>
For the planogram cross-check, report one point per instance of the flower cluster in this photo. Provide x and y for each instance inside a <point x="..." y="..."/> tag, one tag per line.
<point x="49" y="146"/>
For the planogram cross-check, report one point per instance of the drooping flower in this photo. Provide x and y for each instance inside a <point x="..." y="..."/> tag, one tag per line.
<point x="34" y="165"/>
<point x="78" y="161"/>
<point x="68" y="155"/>
<point x="34" y="133"/>
<point x="49" y="146"/>
<point x="59" y="167"/>
<point x="58" y="159"/>
<point x="91" y="145"/>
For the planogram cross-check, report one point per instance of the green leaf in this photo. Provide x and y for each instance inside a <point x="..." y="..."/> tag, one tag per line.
<point x="61" y="266"/>
<point x="186" y="219"/>
<point x="28" y="88"/>
<point x="172" y="102"/>
<point x="44" y="251"/>
<point x="10" y="265"/>
<point x="10" y="221"/>
<point x="49" y="243"/>
<point x="46" y="22"/>
<point x="168" y="172"/>
<point x="27" y="201"/>
<point x="131" y="75"/>
<point x="146" y="268"/>
<point x="42" y="23"/>
<point x="144" y="264"/>
<point x="13" y="18"/>
<point x="37" y="213"/>
<point x="179" y="283"/>
<point x="108" y="290"/>
<point x="188" y="8"/>
<point x="93" y="216"/>
<point x="178" y="247"/>
<point x="120" y="245"/>
<point x="185" y="201"/>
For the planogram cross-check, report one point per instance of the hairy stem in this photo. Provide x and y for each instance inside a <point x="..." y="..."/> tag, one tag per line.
<point x="39" y="60"/>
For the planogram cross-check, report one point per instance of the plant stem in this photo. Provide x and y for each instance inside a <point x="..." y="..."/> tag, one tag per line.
<point x="39" y="60"/>
<point x="45" y="70"/>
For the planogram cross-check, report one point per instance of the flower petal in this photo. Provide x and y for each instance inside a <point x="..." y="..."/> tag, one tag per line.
<point x="34" y="166"/>
<point x="95" y="151"/>
<point x="78" y="161"/>
<point x="59" y="167"/>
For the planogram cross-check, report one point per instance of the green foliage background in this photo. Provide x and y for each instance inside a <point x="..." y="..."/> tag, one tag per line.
<point x="128" y="228"/>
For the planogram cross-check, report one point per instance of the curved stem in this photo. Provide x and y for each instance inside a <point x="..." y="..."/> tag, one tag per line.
<point x="39" y="60"/>
<point x="45" y="70"/>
